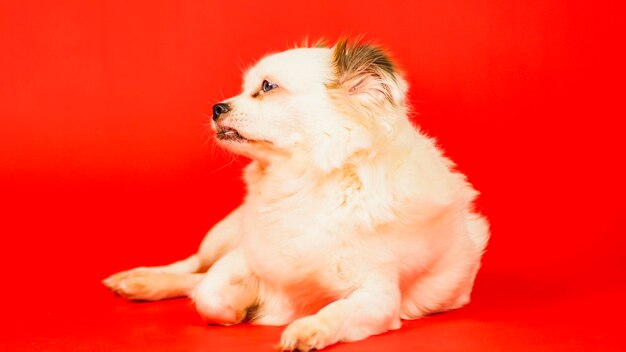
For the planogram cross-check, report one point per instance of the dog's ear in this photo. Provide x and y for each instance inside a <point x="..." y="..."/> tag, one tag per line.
<point x="365" y="73"/>
<point x="370" y="91"/>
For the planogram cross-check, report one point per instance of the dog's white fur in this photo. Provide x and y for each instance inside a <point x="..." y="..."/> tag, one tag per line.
<point x="353" y="219"/>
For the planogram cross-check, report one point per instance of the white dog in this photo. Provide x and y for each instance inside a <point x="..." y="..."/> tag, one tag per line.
<point x="353" y="219"/>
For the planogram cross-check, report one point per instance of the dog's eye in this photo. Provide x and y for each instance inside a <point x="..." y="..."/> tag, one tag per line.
<point x="266" y="86"/>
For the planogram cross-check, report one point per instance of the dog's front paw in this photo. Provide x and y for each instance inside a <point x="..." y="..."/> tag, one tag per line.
<point x="113" y="282"/>
<point x="137" y="284"/>
<point x="304" y="335"/>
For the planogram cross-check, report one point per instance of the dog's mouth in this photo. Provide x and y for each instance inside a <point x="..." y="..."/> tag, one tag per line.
<point x="229" y="134"/>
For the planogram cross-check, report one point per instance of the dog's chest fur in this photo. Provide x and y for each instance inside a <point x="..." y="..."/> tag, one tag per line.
<point x="296" y="228"/>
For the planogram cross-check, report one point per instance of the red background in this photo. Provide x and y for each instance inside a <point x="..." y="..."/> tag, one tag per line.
<point x="106" y="161"/>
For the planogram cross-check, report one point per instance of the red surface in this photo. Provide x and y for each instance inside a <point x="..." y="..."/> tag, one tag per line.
<point x="106" y="162"/>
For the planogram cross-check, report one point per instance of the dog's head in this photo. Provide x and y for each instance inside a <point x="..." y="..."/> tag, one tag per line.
<point x="321" y="105"/>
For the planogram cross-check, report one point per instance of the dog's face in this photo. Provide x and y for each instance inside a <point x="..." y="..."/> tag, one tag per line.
<point x="319" y="104"/>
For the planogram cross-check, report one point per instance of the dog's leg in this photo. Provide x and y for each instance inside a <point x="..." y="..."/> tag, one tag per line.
<point x="185" y="266"/>
<point x="154" y="286"/>
<point x="158" y="282"/>
<point x="444" y="288"/>
<point x="227" y="291"/>
<point x="148" y="283"/>
<point x="221" y="239"/>
<point x="368" y="311"/>
<point x="448" y="284"/>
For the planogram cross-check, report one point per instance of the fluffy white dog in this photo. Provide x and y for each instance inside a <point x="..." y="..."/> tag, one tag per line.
<point x="353" y="219"/>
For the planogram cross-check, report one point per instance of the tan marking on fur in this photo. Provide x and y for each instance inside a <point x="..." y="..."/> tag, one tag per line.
<point x="364" y="80"/>
<point x="354" y="59"/>
<point x="318" y="43"/>
<point x="351" y="185"/>
<point x="237" y="280"/>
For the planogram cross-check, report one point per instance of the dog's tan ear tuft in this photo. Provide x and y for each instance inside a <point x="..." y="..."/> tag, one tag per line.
<point x="306" y="43"/>
<point x="366" y="70"/>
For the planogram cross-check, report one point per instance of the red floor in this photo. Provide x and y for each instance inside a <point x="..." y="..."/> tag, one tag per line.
<point x="508" y="314"/>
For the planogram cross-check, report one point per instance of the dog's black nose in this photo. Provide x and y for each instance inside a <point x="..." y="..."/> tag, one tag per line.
<point x="218" y="109"/>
